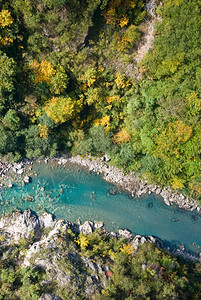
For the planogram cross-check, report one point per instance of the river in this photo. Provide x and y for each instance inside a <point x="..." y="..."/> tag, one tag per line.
<point x="71" y="192"/>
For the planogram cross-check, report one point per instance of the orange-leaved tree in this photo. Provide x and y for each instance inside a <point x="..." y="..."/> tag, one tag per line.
<point x="121" y="137"/>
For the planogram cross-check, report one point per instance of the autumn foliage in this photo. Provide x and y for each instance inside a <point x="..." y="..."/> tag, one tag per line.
<point x="43" y="71"/>
<point x="105" y="122"/>
<point x="121" y="137"/>
<point x="60" y="109"/>
<point x="169" y="142"/>
<point x="5" y="18"/>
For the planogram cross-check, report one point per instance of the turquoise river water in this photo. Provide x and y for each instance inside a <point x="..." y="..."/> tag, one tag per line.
<point x="73" y="193"/>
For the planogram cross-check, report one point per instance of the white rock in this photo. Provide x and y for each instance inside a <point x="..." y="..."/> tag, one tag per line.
<point x="125" y="233"/>
<point x="49" y="297"/>
<point x="18" y="166"/>
<point x="26" y="179"/>
<point x="20" y="225"/>
<point x="10" y="185"/>
<point x="46" y="220"/>
<point x="20" y="171"/>
<point x="87" y="227"/>
<point x="143" y="240"/>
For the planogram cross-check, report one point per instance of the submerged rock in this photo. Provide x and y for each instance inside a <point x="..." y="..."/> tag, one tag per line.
<point x="26" y="179"/>
<point x="10" y="185"/>
<point x="112" y="192"/>
<point x="175" y="220"/>
<point x="29" y="198"/>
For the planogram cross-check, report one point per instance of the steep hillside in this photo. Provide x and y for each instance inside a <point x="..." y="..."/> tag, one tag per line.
<point x="105" y="76"/>
<point x="41" y="257"/>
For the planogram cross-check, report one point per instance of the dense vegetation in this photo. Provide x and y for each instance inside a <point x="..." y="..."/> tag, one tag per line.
<point x="63" y="85"/>
<point x="148" y="273"/>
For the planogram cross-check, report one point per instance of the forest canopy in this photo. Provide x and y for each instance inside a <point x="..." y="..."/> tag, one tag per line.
<point x="68" y="73"/>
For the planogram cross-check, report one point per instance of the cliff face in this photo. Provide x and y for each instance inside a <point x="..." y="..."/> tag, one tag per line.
<point x="52" y="246"/>
<point x="41" y="257"/>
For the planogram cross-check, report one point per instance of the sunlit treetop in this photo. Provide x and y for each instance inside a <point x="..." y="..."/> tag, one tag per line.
<point x="60" y="109"/>
<point x="5" y="18"/>
<point x="121" y="137"/>
<point x="43" y="71"/>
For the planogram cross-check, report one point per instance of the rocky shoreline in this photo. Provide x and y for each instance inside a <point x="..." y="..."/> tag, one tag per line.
<point x="18" y="225"/>
<point x="42" y="243"/>
<point x="134" y="185"/>
<point x="26" y="226"/>
<point x="128" y="182"/>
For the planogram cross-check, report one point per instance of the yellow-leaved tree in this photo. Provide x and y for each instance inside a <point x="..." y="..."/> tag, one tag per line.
<point x="178" y="183"/>
<point x="60" y="109"/>
<point x="43" y="71"/>
<point x="113" y="14"/>
<point x="105" y="122"/>
<point x="168" y="143"/>
<point x="43" y="131"/>
<point x="82" y="242"/>
<point x="5" y="18"/>
<point x="121" y="81"/>
<point x="127" y="249"/>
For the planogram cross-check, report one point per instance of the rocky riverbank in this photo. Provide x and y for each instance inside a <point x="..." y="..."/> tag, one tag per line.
<point x="47" y="259"/>
<point x="134" y="185"/>
<point x="129" y="182"/>
<point x="50" y="245"/>
<point x="44" y="231"/>
<point x="45" y="249"/>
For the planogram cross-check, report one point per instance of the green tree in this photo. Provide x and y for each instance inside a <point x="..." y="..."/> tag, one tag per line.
<point x="11" y="120"/>
<point x="7" y="75"/>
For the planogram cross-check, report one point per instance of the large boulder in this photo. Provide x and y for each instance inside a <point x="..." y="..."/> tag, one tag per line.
<point x="125" y="233"/>
<point x="20" y="225"/>
<point x="26" y="179"/>
<point x="46" y="220"/>
<point x="87" y="227"/>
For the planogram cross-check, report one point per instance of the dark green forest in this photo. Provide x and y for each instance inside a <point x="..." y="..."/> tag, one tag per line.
<point x="64" y="85"/>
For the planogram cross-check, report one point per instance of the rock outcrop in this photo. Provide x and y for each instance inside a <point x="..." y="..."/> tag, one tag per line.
<point x="52" y="249"/>
<point x="20" y="225"/>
